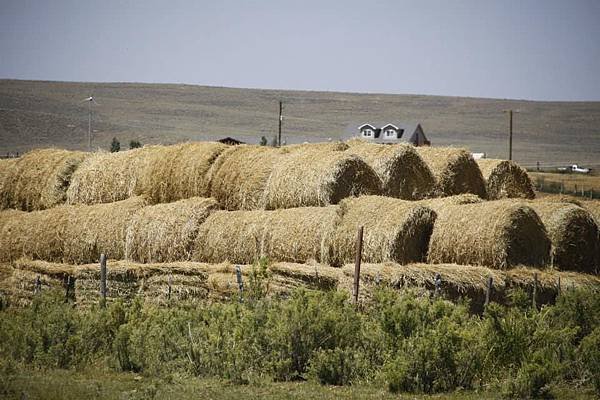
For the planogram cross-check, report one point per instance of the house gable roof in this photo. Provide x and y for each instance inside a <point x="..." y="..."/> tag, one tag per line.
<point x="366" y="126"/>
<point x="409" y="135"/>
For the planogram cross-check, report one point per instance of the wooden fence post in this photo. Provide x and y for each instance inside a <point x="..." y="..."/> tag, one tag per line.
<point x="438" y="284"/>
<point x="488" y="290"/>
<point x="240" y="282"/>
<point x="357" y="260"/>
<point x="559" y="288"/>
<point x="535" y="285"/>
<point x="38" y="285"/>
<point x="103" y="279"/>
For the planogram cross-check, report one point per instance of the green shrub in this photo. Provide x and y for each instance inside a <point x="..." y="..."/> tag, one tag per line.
<point x="338" y="366"/>
<point x="532" y="381"/>
<point x="589" y="353"/>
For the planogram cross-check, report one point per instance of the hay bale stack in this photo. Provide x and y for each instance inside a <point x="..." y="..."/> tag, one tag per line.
<point x="110" y="177"/>
<point x="318" y="176"/>
<point x="75" y="234"/>
<point x="294" y="235"/>
<point x="239" y="176"/>
<point x="6" y="171"/>
<point x="180" y="172"/>
<point x="498" y="234"/>
<point x="574" y="236"/>
<point x="505" y="179"/>
<point x="40" y="179"/>
<point x="37" y="234"/>
<point x="394" y="230"/>
<point x="402" y="171"/>
<point x="166" y="232"/>
<point x="101" y="228"/>
<point x="454" y="170"/>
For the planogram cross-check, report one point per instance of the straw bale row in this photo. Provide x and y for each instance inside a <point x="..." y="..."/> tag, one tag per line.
<point x="159" y="283"/>
<point x="463" y="281"/>
<point x="186" y="281"/>
<point x="38" y="180"/>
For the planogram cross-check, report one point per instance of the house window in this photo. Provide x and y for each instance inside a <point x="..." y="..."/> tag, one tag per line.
<point x="390" y="133"/>
<point x="368" y="133"/>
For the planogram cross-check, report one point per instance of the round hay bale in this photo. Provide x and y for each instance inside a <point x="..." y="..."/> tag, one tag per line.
<point x="166" y="232"/>
<point x="239" y="176"/>
<point x="35" y="234"/>
<point x="6" y="170"/>
<point x="402" y="171"/>
<point x="179" y="172"/>
<point x="313" y="177"/>
<point x="505" y="179"/>
<point x="574" y="236"/>
<point x="454" y="170"/>
<point x="40" y="179"/>
<point x="558" y="198"/>
<point x="394" y="230"/>
<point x="76" y="234"/>
<point x="96" y="229"/>
<point x="593" y="206"/>
<point x="289" y="235"/>
<point x="109" y="177"/>
<point x="498" y="234"/>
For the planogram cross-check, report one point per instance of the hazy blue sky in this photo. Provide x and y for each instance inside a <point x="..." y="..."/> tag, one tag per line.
<point x="544" y="50"/>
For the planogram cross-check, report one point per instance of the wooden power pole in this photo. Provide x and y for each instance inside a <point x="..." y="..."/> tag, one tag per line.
<point x="280" y="121"/>
<point x="510" y="131"/>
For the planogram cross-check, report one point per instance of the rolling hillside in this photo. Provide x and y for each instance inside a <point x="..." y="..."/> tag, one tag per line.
<point x="41" y="114"/>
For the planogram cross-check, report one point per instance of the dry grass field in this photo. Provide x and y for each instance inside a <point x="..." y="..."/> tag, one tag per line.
<point x="42" y="114"/>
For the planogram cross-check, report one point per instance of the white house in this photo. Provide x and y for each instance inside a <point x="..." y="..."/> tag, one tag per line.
<point x="394" y="133"/>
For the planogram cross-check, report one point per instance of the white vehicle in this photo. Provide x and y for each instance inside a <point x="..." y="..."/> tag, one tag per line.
<point x="575" y="168"/>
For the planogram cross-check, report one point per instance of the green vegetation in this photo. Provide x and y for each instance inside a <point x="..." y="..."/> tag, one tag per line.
<point x="135" y="144"/>
<point x="115" y="145"/>
<point x="263" y="141"/>
<point x="402" y="342"/>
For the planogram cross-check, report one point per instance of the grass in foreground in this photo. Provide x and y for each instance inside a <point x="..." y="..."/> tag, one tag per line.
<point x="62" y="384"/>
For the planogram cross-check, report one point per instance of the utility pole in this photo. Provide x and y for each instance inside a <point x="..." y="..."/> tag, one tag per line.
<point x="510" y="131"/>
<point x="280" y="120"/>
<point x="90" y="125"/>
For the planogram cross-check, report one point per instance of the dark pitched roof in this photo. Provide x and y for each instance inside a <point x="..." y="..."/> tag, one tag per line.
<point x="408" y="127"/>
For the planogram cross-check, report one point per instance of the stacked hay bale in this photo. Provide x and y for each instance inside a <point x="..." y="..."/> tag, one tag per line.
<point x="498" y="234"/>
<point x="593" y="206"/>
<point x="294" y="235"/>
<point x="110" y="177"/>
<point x="40" y="179"/>
<point x="239" y="176"/>
<point x="101" y="228"/>
<point x="166" y="232"/>
<point x="402" y="171"/>
<point x="256" y="177"/>
<point x="179" y="172"/>
<point x="75" y="234"/>
<point x="314" y="176"/>
<point x="505" y="179"/>
<point x="36" y="234"/>
<point x="574" y="236"/>
<point x="455" y="171"/>
<point x="394" y="230"/>
<point x="6" y="170"/>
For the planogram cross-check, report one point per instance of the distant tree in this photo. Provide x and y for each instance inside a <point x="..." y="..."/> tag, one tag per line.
<point x="115" y="145"/>
<point x="274" y="141"/>
<point x="134" y="144"/>
<point x="263" y="141"/>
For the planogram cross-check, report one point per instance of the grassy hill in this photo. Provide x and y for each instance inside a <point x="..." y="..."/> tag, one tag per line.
<point x="41" y="114"/>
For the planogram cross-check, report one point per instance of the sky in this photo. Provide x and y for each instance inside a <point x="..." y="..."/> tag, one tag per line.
<point x="518" y="49"/>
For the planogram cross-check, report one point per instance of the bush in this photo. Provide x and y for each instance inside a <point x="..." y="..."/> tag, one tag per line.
<point x="338" y="366"/>
<point x="589" y="352"/>
<point x="532" y="381"/>
<point x="115" y="145"/>
<point x="135" y="144"/>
